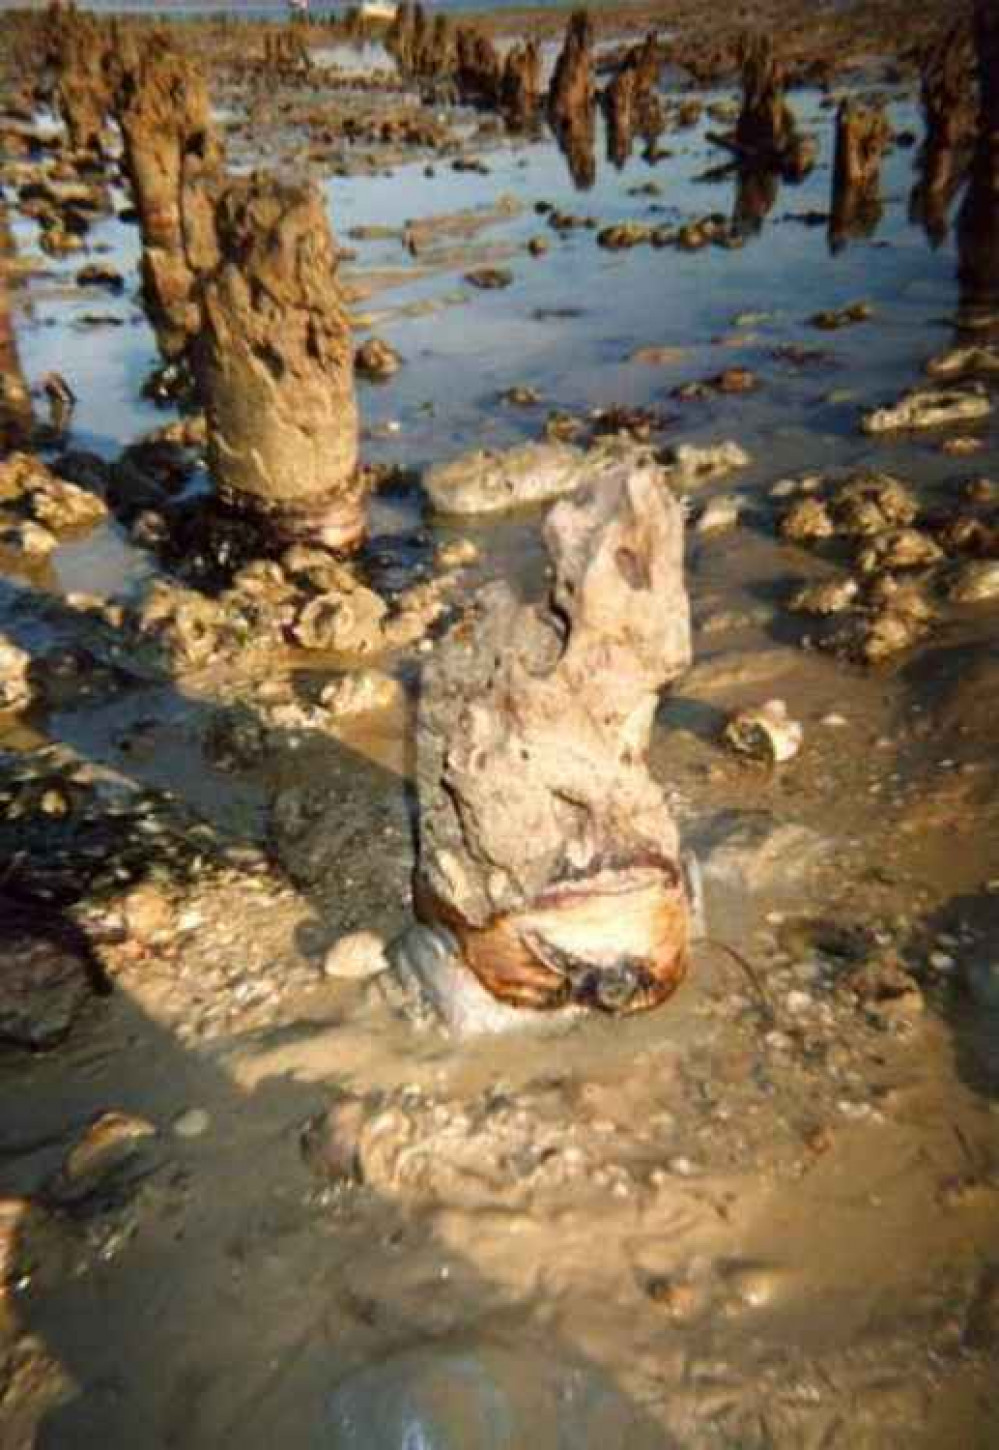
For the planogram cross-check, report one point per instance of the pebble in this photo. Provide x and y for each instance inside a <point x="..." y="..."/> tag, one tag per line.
<point x="191" y="1123"/>
<point x="356" y="957"/>
<point x="942" y="961"/>
<point x="798" y="1002"/>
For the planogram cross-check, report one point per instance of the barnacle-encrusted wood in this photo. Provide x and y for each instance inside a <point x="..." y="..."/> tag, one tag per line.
<point x="274" y="362"/>
<point x="862" y="133"/>
<point x="546" y="846"/>
<point x="15" y="398"/>
<point x="171" y="153"/>
<point x="571" y="100"/>
<point x="978" y="227"/>
<point x="766" y="132"/>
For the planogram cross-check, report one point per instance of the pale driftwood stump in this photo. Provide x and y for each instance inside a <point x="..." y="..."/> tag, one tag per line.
<point x="546" y="847"/>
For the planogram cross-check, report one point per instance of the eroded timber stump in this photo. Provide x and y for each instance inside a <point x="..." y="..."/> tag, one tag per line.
<point x="274" y="364"/>
<point x="546" y="847"/>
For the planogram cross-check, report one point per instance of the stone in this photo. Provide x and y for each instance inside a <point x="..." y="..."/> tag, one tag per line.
<point x="148" y="913"/>
<point x="47" y="975"/>
<point x="975" y="582"/>
<point x="15" y="683"/>
<point x="545" y="846"/>
<point x="689" y="464"/>
<point x="107" y="1160"/>
<point x="356" y="957"/>
<point x="192" y="1123"/>
<point x="376" y="360"/>
<point x="344" y="622"/>
<point x="485" y="482"/>
<point x="720" y="514"/>
<point x="926" y="408"/>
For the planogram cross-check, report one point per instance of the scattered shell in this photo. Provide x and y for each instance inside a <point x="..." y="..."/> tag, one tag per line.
<point x="361" y="693"/>
<point x="766" y="732"/>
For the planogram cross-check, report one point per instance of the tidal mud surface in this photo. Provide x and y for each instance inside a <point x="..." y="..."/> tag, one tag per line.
<point x="248" y="1195"/>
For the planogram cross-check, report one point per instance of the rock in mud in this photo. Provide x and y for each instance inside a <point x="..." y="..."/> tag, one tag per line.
<point x="47" y="974"/>
<point x="376" y="360"/>
<point x="106" y="1162"/>
<point x="15" y="682"/>
<point x="689" y="465"/>
<point x="485" y="482"/>
<point x="546" y="847"/>
<point x="479" y="1395"/>
<point x="967" y="361"/>
<point x="344" y="622"/>
<point x="275" y="365"/>
<point x="924" y="408"/>
<point x="357" y="957"/>
<point x="975" y="582"/>
<point x="832" y="596"/>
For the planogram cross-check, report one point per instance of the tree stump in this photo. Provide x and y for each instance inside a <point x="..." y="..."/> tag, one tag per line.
<point x="275" y="365"/>
<point x="546" y="848"/>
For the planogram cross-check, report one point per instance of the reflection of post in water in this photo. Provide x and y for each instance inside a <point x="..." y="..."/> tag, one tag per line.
<point x="861" y="136"/>
<point x="756" y="192"/>
<point x="627" y="99"/>
<point x="15" y="400"/>
<point x="577" y="143"/>
<point x="978" y="223"/>
<point x="949" y="113"/>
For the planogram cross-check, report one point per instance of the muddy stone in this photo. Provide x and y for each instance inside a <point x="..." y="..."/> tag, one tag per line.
<point x="539" y="822"/>
<point x="44" y="980"/>
<point x="275" y="365"/>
